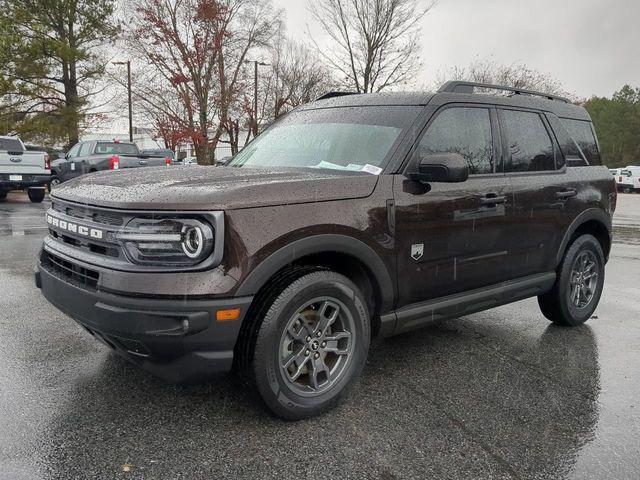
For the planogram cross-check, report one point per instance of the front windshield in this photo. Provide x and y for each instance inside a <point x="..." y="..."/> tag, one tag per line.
<point x="345" y="138"/>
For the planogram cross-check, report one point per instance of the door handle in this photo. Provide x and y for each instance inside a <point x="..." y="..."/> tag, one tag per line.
<point x="142" y="162"/>
<point x="566" y="194"/>
<point x="492" y="199"/>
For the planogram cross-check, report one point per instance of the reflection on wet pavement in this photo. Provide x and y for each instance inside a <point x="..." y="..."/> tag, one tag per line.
<point x="500" y="394"/>
<point x="20" y="217"/>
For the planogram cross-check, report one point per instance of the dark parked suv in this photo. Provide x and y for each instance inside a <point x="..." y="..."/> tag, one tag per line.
<point x="351" y="217"/>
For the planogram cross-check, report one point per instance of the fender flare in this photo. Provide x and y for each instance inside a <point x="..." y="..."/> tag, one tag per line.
<point x="588" y="215"/>
<point x="315" y="244"/>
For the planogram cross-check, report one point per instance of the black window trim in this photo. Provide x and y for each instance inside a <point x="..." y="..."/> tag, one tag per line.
<point x="495" y="137"/>
<point x="507" y="151"/>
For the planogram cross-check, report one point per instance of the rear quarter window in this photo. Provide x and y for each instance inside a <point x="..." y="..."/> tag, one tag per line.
<point x="583" y="134"/>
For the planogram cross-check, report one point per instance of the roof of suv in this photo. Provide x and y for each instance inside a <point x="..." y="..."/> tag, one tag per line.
<point x="557" y="106"/>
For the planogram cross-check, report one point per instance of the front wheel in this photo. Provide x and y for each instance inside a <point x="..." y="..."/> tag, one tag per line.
<point x="3" y="195"/>
<point x="312" y="345"/>
<point x="578" y="287"/>
<point x="36" y="195"/>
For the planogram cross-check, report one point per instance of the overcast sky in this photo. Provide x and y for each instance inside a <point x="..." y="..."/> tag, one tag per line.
<point x="591" y="46"/>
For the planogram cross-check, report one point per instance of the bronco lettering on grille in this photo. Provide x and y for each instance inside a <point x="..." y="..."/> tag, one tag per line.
<point x="75" y="228"/>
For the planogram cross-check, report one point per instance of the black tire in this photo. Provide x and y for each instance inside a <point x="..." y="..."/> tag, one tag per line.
<point x="627" y="190"/>
<point x="3" y="196"/>
<point x="36" y="195"/>
<point x="295" y="399"/>
<point x="558" y="305"/>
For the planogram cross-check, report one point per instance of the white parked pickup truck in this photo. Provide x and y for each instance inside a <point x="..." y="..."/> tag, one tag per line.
<point x="21" y="169"/>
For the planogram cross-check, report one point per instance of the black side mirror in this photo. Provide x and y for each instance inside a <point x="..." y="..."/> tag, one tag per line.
<point x="440" y="167"/>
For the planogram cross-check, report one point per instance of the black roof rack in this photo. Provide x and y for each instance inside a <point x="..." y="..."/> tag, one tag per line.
<point x="457" y="86"/>
<point x="335" y="94"/>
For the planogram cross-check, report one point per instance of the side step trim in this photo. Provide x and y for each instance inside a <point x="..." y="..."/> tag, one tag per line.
<point x="432" y="311"/>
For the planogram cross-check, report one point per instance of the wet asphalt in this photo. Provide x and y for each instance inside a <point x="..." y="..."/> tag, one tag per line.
<point x="499" y="394"/>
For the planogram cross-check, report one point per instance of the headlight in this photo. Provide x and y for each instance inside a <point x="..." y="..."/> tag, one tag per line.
<point x="167" y="241"/>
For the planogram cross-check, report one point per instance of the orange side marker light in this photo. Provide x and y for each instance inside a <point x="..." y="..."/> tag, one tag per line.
<point x="228" y="315"/>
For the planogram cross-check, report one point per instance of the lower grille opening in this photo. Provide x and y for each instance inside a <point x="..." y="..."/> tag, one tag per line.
<point x="75" y="274"/>
<point x="70" y="241"/>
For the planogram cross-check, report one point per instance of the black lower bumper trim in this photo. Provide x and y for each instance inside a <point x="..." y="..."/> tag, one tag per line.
<point x="178" y="340"/>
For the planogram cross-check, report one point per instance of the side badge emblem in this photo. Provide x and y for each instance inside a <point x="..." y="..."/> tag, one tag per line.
<point x="417" y="250"/>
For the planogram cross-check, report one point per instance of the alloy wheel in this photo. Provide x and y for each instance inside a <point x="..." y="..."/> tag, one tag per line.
<point x="316" y="346"/>
<point x="583" y="281"/>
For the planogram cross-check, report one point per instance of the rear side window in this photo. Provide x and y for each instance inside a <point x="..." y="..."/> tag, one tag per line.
<point x="10" y="144"/>
<point x="114" y="147"/>
<point x="530" y="146"/>
<point x="582" y="133"/>
<point x="462" y="130"/>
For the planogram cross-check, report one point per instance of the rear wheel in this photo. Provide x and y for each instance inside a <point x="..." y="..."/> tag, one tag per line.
<point x="3" y="195"/>
<point x="578" y="287"/>
<point x="36" y="195"/>
<point x="312" y="345"/>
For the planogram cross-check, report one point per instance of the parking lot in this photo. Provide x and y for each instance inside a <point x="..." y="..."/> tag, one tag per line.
<point x="499" y="394"/>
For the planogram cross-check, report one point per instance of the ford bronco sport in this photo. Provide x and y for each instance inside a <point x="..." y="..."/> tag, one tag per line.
<point x="351" y="217"/>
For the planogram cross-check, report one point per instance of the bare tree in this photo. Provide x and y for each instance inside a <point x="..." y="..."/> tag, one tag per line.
<point x="516" y="75"/>
<point x="293" y="76"/>
<point x="373" y="44"/>
<point x="193" y="51"/>
<point x="298" y="77"/>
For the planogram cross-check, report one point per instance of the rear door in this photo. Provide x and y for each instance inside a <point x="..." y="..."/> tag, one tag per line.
<point x="536" y="171"/>
<point x="449" y="236"/>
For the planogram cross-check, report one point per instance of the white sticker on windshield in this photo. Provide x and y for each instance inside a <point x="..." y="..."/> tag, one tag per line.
<point x="372" y="169"/>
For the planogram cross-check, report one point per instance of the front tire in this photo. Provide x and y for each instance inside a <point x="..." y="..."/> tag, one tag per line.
<point x="578" y="287"/>
<point x="312" y="345"/>
<point x="36" y="195"/>
<point x="3" y="195"/>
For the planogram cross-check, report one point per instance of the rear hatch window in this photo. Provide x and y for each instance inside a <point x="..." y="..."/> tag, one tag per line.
<point x="10" y="144"/>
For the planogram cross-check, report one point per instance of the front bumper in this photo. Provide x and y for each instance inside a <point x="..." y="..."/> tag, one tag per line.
<point x="28" y="181"/>
<point x="179" y="340"/>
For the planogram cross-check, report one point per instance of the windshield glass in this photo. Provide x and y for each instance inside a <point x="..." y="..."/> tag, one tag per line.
<point x="345" y="138"/>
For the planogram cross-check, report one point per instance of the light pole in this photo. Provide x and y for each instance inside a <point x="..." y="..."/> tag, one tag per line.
<point x="255" y="92"/>
<point x="128" y="64"/>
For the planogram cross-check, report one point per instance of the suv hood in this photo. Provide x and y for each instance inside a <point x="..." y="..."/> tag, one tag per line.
<point x="213" y="188"/>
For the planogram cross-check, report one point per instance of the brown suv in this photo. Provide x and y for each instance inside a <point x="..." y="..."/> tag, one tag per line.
<point x="351" y="217"/>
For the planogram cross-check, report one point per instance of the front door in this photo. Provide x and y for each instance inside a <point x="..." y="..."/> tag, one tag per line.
<point x="449" y="236"/>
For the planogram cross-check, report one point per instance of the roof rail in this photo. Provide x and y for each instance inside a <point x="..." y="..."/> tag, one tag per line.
<point x="335" y="94"/>
<point x="457" y="86"/>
